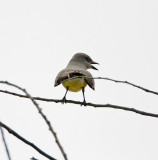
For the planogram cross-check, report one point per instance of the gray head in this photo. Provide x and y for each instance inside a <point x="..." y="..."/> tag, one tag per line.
<point x="82" y="60"/>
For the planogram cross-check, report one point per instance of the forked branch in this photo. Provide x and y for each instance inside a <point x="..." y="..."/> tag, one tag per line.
<point x="11" y="131"/>
<point x="42" y="114"/>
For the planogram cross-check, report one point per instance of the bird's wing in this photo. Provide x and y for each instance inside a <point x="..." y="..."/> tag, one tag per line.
<point x="70" y="73"/>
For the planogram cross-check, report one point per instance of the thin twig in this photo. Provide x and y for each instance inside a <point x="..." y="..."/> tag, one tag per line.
<point x="129" y="83"/>
<point x="5" y="143"/>
<point x="87" y="104"/>
<point x="26" y="141"/>
<point x="116" y="81"/>
<point x="43" y="116"/>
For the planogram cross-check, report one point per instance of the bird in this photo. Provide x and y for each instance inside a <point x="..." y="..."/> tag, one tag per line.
<point x="75" y="76"/>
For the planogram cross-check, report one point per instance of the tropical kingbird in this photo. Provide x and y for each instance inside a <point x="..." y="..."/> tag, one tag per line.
<point x="75" y="76"/>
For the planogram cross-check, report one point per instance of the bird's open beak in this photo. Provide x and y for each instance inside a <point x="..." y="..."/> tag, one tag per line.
<point x="93" y="66"/>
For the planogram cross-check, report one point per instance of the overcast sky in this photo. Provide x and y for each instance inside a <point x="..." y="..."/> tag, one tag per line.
<point x="37" y="40"/>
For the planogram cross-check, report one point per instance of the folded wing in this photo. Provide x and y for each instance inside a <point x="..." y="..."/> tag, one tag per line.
<point x="70" y="73"/>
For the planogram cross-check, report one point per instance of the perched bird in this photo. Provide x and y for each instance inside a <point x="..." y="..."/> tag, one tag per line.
<point x="75" y="76"/>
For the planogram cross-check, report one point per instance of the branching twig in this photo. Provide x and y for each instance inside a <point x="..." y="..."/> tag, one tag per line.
<point x="26" y="141"/>
<point x="116" y="81"/>
<point x="129" y="83"/>
<point x="43" y="116"/>
<point x="5" y="143"/>
<point x="87" y="104"/>
<point x="69" y="101"/>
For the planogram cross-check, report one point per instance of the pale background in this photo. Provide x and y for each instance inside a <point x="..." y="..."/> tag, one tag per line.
<point x="38" y="38"/>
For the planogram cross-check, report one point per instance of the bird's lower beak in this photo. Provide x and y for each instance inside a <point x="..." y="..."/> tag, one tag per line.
<point x="93" y="66"/>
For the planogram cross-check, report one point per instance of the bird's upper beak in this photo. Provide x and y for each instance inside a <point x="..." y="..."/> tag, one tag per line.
<point x="93" y="66"/>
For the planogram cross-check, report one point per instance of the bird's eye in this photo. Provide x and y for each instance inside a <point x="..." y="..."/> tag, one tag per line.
<point x="88" y="59"/>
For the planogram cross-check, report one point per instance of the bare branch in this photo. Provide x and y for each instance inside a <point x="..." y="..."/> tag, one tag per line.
<point x="116" y="81"/>
<point x="87" y="104"/>
<point x="129" y="83"/>
<point x="26" y="141"/>
<point x="43" y="116"/>
<point x="5" y="143"/>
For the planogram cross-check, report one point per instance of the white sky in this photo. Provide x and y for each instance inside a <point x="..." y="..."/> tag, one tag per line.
<point x="38" y="38"/>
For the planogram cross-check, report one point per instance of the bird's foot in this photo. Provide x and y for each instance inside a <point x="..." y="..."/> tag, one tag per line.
<point x="63" y="100"/>
<point x="83" y="103"/>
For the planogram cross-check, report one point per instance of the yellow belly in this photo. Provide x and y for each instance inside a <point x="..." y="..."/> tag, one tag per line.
<point x="75" y="85"/>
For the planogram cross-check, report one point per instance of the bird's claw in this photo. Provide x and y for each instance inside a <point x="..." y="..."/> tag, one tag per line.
<point x="83" y="103"/>
<point x="63" y="100"/>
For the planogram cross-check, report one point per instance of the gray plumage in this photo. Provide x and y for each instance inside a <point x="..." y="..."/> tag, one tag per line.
<point x="70" y="73"/>
<point x="77" y="68"/>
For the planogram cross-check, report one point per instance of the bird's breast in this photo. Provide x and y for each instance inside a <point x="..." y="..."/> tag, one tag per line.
<point x="75" y="84"/>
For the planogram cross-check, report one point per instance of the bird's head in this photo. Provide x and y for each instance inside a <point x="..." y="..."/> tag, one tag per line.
<point x="83" y="60"/>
